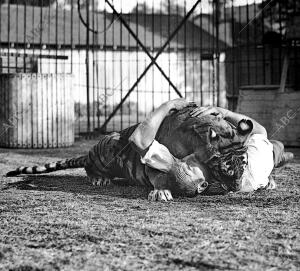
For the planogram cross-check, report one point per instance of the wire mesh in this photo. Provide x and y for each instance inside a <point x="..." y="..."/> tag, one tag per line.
<point x="107" y="45"/>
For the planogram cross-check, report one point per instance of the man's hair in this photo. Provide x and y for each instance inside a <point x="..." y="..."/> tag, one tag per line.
<point x="181" y="180"/>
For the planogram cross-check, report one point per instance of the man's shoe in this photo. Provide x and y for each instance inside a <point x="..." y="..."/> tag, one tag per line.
<point x="286" y="157"/>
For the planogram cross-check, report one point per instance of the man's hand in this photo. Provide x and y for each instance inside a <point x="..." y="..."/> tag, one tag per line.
<point x="204" y="111"/>
<point x="180" y="103"/>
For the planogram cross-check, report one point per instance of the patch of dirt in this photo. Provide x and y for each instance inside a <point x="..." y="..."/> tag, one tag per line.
<point x="59" y="221"/>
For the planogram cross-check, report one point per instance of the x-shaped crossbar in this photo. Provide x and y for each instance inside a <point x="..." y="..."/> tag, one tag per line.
<point x="153" y="59"/>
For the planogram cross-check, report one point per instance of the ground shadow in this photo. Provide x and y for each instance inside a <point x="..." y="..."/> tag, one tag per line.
<point x="78" y="185"/>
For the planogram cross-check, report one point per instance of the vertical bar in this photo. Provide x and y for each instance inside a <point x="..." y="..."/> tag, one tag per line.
<point x="63" y="109"/>
<point x="280" y="30"/>
<point x="93" y="66"/>
<point x="193" y="58"/>
<point x="53" y="94"/>
<point x="240" y="50"/>
<point x="8" y="116"/>
<point x="72" y="14"/>
<point x="137" y="60"/>
<point x="217" y="73"/>
<point x="105" y="68"/>
<point x="264" y="55"/>
<point x="66" y="129"/>
<point x="59" y="108"/>
<point x="145" y="61"/>
<point x="153" y="74"/>
<point x="129" y="54"/>
<point x="248" y="41"/>
<point x="233" y="35"/>
<point x="255" y="51"/>
<point x="44" y="79"/>
<point x="17" y="36"/>
<point x="56" y="37"/>
<point x="48" y="111"/>
<point x="169" y="47"/>
<point x="2" y="108"/>
<point x="64" y="39"/>
<point x="29" y="106"/>
<point x="4" y="99"/>
<point x="88" y="66"/>
<point x="79" y="73"/>
<point x="121" y="70"/>
<point x="33" y="35"/>
<point x="113" y="69"/>
<point x="34" y="106"/>
<point x="160" y="45"/>
<point x="214" y="52"/>
<point x="201" y="51"/>
<point x="1" y="62"/>
<point x="19" y="109"/>
<point x="271" y="51"/>
<point x="294" y="44"/>
<point x="50" y="105"/>
<point x="25" y="36"/>
<point x="8" y="37"/>
<point x="40" y="118"/>
<point x="97" y="73"/>
<point x="184" y="51"/>
<point x="41" y="35"/>
<point x="178" y="72"/>
<point x="49" y="37"/>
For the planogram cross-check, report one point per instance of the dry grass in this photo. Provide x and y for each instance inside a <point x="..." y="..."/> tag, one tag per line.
<point x="58" y="221"/>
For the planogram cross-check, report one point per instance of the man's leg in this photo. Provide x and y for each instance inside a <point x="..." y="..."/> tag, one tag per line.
<point x="280" y="156"/>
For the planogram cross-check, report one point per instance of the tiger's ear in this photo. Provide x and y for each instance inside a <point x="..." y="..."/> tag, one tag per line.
<point x="245" y="127"/>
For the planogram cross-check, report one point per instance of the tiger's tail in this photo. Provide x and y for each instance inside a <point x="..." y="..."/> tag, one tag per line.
<point x="49" y="167"/>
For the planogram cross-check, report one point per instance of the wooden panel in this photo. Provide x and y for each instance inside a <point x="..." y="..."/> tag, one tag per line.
<point x="278" y="112"/>
<point x="44" y="110"/>
<point x="37" y="111"/>
<point x="34" y="109"/>
<point x="39" y="116"/>
<point x="50" y="112"/>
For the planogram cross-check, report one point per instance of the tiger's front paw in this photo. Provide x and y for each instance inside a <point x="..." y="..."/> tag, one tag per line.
<point x="101" y="181"/>
<point x="160" y="195"/>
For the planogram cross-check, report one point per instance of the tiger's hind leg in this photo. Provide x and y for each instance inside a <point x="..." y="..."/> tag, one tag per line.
<point x="102" y="164"/>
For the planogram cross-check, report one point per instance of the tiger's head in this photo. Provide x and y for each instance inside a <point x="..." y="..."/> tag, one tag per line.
<point x="208" y="136"/>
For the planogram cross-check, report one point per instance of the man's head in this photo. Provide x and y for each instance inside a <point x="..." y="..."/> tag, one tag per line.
<point x="188" y="176"/>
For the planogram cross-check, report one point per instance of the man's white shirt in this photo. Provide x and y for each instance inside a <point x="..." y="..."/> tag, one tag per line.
<point x="159" y="157"/>
<point x="260" y="163"/>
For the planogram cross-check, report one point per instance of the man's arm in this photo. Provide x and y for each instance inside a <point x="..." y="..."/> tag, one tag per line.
<point x="145" y="133"/>
<point x="232" y="117"/>
<point x="235" y="118"/>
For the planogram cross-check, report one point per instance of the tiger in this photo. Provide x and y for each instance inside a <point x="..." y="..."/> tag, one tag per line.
<point x="113" y="158"/>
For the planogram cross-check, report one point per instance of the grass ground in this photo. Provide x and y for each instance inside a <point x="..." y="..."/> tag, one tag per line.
<point x="58" y="221"/>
